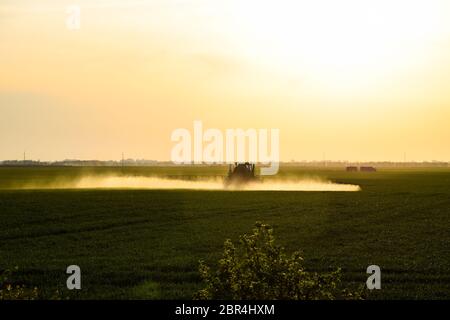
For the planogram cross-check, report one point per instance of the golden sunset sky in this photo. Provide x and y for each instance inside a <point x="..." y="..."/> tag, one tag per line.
<point x="354" y="79"/>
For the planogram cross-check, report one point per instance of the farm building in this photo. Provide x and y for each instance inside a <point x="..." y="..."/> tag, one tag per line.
<point x="368" y="169"/>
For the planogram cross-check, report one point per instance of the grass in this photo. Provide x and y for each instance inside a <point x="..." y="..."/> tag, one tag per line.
<point x="145" y="244"/>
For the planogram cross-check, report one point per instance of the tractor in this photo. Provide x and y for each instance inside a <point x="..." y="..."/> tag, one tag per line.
<point x="241" y="174"/>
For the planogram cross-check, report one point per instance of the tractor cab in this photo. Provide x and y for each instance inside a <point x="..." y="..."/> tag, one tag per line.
<point x="241" y="173"/>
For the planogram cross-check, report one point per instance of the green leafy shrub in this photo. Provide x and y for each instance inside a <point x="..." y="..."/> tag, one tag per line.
<point x="258" y="269"/>
<point x="11" y="291"/>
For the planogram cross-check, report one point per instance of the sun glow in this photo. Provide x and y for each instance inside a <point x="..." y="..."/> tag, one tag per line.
<point x="359" y="79"/>
<point x="338" y="44"/>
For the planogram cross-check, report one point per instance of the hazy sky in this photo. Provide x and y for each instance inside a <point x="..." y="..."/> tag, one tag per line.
<point x="354" y="79"/>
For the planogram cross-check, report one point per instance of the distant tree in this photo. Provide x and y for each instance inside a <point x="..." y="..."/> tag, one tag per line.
<point x="258" y="269"/>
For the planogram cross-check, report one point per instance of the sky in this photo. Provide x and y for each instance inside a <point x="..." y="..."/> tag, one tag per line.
<point x="348" y="80"/>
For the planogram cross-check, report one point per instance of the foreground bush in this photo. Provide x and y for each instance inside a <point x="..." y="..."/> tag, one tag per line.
<point x="11" y="291"/>
<point x="258" y="269"/>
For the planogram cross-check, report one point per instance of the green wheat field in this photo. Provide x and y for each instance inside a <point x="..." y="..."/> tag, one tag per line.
<point x="146" y="244"/>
